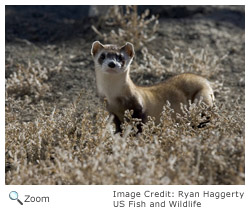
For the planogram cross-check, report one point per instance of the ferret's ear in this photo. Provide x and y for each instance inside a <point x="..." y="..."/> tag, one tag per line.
<point x="128" y="48"/>
<point x="96" y="47"/>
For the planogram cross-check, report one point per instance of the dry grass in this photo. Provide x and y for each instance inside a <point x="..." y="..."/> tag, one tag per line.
<point x="28" y="81"/>
<point x="61" y="148"/>
<point x="76" y="144"/>
<point x="137" y="29"/>
<point x="200" y="62"/>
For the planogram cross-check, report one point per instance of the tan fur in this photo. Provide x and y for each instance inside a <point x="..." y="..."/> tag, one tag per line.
<point x="122" y="93"/>
<point x="178" y="89"/>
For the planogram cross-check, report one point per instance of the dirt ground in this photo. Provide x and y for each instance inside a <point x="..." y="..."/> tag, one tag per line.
<point x="60" y="39"/>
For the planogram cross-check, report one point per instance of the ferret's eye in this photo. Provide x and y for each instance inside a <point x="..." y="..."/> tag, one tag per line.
<point x="102" y="56"/>
<point x="120" y="58"/>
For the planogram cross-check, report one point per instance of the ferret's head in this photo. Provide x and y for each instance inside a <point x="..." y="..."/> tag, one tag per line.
<point x="112" y="59"/>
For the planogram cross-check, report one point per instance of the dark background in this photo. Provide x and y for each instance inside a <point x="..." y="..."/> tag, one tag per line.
<point x="54" y="23"/>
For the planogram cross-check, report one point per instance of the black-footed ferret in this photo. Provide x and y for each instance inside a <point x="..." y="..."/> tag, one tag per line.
<point x="112" y="67"/>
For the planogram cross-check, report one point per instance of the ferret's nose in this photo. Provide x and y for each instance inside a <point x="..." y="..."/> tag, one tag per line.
<point x="111" y="65"/>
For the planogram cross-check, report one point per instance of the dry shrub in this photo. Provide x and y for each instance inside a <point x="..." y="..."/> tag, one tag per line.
<point x="36" y="151"/>
<point x="137" y="29"/>
<point x="63" y="148"/>
<point x="28" y="81"/>
<point x="150" y="64"/>
<point x="201" y="62"/>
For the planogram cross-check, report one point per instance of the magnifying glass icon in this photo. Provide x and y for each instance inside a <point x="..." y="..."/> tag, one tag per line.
<point x="14" y="196"/>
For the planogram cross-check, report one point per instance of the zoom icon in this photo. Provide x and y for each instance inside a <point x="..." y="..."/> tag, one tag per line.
<point x="13" y="195"/>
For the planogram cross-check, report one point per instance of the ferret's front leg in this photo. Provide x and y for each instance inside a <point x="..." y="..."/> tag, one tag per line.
<point x="117" y="123"/>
